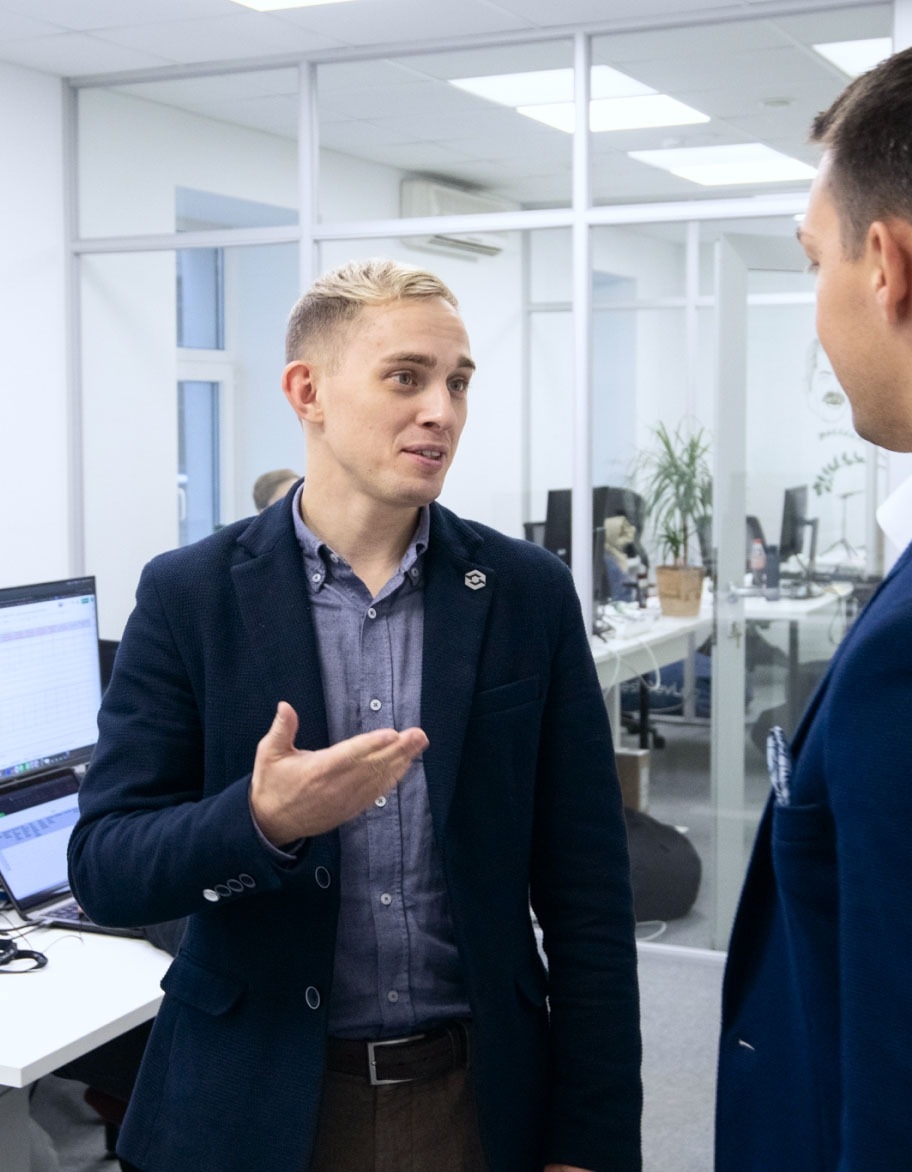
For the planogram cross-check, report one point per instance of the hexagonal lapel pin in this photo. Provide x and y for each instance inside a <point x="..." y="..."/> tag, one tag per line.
<point x="475" y="580"/>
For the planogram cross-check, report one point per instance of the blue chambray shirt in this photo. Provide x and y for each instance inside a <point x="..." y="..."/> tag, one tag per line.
<point x="396" y="967"/>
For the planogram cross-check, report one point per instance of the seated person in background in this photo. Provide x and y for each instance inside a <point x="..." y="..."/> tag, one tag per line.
<point x="272" y="486"/>
<point x="619" y="536"/>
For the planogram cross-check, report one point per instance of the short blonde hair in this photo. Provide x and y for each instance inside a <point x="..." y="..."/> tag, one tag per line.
<point x="338" y="297"/>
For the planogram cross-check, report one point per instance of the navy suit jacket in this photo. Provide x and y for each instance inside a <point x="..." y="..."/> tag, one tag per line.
<point x="524" y="800"/>
<point x="815" y="1068"/>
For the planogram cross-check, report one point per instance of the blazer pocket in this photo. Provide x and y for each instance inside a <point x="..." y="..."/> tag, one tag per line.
<point x="202" y="987"/>
<point x="804" y="854"/>
<point x="506" y="696"/>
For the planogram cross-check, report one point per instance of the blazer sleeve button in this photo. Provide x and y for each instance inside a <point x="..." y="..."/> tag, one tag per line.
<point x="312" y="997"/>
<point x="322" y="877"/>
<point x="212" y="896"/>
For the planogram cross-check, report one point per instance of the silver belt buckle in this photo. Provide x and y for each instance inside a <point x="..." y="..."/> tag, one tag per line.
<point x="372" y="1048"/>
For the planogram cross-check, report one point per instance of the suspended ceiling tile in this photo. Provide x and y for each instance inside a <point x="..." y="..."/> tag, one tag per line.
<point x="221" y="38"/>
<point x="546" y="12"/>
<point x="378" y="22"/>
<point x="57" y="54"/>
<point x="86" y="15"/>
<point x="275" y="114"/>
<point x="874" y="19"/>
<point x="359" y="138"/>
<point x="427" y="98"/>
<point x="348" y="75"/>
<point x="18" y="26"/>
<point x="556" y="54"/>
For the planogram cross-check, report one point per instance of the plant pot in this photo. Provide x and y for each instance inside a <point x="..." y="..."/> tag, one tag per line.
<point x="680" y="590"/>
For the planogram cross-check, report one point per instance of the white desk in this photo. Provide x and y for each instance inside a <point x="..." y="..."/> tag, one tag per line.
<point x="643" y="641"/>
<point x="646" y="639"/>
<point x="92" y="989"/>
<point x="794" y="611"/>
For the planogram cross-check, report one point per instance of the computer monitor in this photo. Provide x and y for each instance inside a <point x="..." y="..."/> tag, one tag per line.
<point x="50" y="676"/>
<point x="606" y="502"/>
<point x="794" y="522"/>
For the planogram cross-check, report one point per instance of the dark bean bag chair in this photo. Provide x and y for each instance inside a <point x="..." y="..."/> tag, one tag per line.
<point x="664" y="866"/>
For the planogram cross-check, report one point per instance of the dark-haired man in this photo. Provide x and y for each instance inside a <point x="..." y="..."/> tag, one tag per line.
<point x="350" y="739"/>
<point x="815" y="1071"/>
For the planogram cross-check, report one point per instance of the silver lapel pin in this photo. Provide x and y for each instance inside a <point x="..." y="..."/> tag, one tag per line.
<point x="475" y="580"/>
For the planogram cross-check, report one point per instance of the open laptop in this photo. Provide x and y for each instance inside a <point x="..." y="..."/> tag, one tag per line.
<point x="37" y="816"/>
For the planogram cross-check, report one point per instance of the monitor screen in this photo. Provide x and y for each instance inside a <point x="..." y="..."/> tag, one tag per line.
<point x="794" y="519"/>
<point x="50" y="679"/>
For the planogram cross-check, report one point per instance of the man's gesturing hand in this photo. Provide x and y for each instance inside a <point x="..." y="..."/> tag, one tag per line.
<point x="295" y="793"/>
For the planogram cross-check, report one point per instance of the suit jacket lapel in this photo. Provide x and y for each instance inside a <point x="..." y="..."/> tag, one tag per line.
<point x="274" y="603"/>
<point x="458" y="592"/>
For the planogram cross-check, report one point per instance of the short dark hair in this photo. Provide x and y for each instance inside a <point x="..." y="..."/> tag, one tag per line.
<point x="868" y="134"/>
<point x="339" y="296"/>
<point x="265" y="485"/>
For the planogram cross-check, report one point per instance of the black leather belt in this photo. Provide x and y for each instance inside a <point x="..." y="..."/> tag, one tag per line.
<point x="395" y="1060"/>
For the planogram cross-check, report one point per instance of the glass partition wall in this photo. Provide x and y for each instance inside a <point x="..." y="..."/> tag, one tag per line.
<point x="608" y="289"/>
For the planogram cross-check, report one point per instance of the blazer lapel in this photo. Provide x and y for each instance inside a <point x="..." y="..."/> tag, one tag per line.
<point x="274" y="603"/>
<point x="458" y="591"/>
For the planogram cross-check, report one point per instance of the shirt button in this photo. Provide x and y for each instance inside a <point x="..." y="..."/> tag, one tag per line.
<point x="371" y="612"/>
<point x="334" y="557"/>
<point x="413" y="573"/>
<point x="375" y="705"/>
<point x="392" y="996"/>
<point x="312" y="997"/>
<point x="381" y="801"/>
<point x="316" y="576"/>
<point x="386" y="899"/>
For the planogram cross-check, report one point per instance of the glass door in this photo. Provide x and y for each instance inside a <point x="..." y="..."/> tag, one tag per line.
<point x="792" y="497"/>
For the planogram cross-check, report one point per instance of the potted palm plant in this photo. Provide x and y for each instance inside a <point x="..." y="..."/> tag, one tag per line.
<point x="677" y="488"/>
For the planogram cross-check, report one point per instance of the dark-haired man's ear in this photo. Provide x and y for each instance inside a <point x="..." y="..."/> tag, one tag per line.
<point x="890" y="247"/>
<point x="300" y="387"/>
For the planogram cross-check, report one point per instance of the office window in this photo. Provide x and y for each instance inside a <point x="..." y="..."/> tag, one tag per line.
<point x="198" y="465"/>
<point x="200" y="299"/>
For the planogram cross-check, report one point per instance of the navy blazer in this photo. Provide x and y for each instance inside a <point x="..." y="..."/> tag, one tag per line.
<point x="815" y="1064"/>
<point x="524" y="800"/>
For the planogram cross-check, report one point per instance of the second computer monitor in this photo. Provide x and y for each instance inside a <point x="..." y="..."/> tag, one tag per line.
<point x="794" y="519"/>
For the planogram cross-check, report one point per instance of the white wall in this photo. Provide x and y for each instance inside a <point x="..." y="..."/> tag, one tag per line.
<point x="135" y="154"/>
<point x="33" y="402"/>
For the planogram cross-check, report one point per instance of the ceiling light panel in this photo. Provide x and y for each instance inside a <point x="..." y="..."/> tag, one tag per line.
<point x="727" y="166"/>
<point x="282" y="5"/>
<point x="855" y="57"/>
<point x="539" y="87"/>
<point x="619" y="113"/>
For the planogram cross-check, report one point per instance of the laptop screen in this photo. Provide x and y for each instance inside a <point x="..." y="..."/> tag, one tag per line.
<point x="36" y="819"/>
<point x="50" y="678"/>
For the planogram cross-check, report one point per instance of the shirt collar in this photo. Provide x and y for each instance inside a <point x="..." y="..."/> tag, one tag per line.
<point x="320" y="561"/>
<point x="894" y="515"/>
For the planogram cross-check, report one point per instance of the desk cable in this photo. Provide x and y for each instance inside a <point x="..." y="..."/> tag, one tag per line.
<point x="15" y="960"/>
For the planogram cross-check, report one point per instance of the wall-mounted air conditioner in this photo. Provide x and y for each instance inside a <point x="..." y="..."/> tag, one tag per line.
<point x="430" y="197"/>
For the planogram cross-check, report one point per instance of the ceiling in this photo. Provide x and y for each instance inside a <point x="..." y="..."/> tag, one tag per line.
<point x="384" y="67"/>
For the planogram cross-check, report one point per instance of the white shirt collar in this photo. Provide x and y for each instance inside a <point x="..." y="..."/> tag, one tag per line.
<point x="894" y="516"/>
